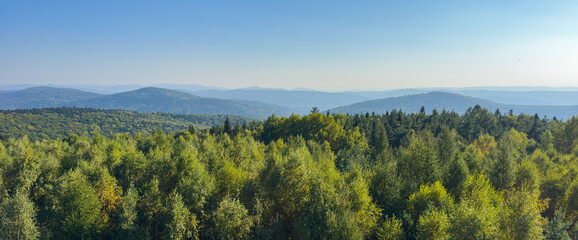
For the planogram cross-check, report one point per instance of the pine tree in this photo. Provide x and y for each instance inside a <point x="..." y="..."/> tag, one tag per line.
<point x="557" y="227"/>
<point x="227" y="127"/>
<point x="457" y="174"/>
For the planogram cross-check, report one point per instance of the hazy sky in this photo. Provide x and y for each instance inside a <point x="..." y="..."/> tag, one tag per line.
<point x="327" y="45"/>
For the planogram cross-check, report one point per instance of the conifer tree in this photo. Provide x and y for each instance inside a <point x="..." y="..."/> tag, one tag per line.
<point x="227" y="127"/>
<point x="557" y="227"/>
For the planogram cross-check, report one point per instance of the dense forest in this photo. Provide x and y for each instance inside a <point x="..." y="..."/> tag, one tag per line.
<point x="57" y="123"/>
<point x="480" y="175"/>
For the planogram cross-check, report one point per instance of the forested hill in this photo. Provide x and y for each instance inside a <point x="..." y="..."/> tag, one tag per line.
<point x="300" y="102"/>
<point x="57" y="123"/>
<point x="450" y="102"/>
<point x="142" y="100"/>
<point x="40" y="97"/>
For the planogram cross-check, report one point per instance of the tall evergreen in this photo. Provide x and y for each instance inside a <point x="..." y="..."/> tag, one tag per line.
<point x="557" y="228"/>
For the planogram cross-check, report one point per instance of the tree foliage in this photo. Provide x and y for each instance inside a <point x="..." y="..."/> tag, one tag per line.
<point x="481" y="175"/>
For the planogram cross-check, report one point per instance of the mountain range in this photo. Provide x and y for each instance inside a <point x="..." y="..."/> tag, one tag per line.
<point x="451" y="102"/>
<point x="150" y="99"/>
<point x="261" y="103"/>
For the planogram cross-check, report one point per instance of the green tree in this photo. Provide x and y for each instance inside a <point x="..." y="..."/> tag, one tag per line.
<point x="418" y="162"/>
<point x="505" y="156"/>
<point x="433" y="224"/>
<point x="152" y="207"/>
<point x="18" y="218"/>
<point x="181" y="223"/>
<point x="520" y="217"/>
<point x="433" y="197"/>
<point x="342" y="225"/>
<point x="447" y="148"/>
<point x="457" y="174"/>
<point x="127" y="225"/>
<point x="527" y="177"/>
<point x="476" y="214"/>
<point x="390" y="229"/>
<point x="227" y="127"/>
<point x="231" y="220"/>
<point x="79" y="208"/>
<point x="197" y="187"/>
<point x="385" y="188"/>
<point x="286" y="181"/>
<point x="570" y="200"/>
<point x="557" y="228"/>
<point x="566" y="136"/>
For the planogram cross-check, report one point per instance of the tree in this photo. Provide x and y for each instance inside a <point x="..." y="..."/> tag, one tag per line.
<point x="457" y="174"/>
<point x="342" y="225"/>
<point x="197" y="187"/>
<point x="390" y="229"/>
<point x="433" y="197"/>
<point x="520" y="217"/>
<point x="557" y="228"/>
<point x="476" y="214"/>
<point x="385" y="188"/>
<point x="433" y="225"/>
<point x="527" y="177"/>
<point x="446" y="148"/>
<point x="181" y="223"/>
<point x="18" y="218"/>
<point x="566" y="136"/>
<point x="79" y="208"/>
<point x="191" y="129"/>
<point x="570" y="201"/>
<point x="127" y="226"/>
<point x="231" y="220"/>
<point x="227" y="127"/>
<point x="152" y="207"/>
<point x="418" y="162"/>
<point x="502" y="172"/>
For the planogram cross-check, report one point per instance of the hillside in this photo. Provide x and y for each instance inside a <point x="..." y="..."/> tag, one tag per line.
<point x="141" y="100"/>
<point x="39" y="97"/>
<point x="55" y="123"/>
<point x="298" y="101"/>
<point x="526" y="97"/>
<point x="451" y="102"/>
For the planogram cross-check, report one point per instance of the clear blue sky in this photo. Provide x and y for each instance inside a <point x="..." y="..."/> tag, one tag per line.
<point x="327" y="45"/>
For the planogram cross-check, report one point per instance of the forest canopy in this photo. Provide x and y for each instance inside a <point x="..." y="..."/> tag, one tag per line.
<point x="58" y="123"/>
<point x="480" y="175"/>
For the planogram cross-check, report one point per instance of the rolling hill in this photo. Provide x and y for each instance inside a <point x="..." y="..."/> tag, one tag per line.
<point x="451" y="102"/>
<point x="299" y="101"/>
<point x="148" y="100"/>
<point x="54" y="123"/>
<point x="41" y="97"/>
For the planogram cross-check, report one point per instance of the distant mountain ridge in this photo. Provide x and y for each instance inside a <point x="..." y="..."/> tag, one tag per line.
<point x="450" y="102"/>
<point x="262" y="103"/>
<point x="42" y="97"/>
<point x="299" y="101"/>
<point x="149" y="99"/>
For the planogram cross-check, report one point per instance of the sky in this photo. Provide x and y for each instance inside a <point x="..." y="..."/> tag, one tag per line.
<point x="324" y="45"/>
